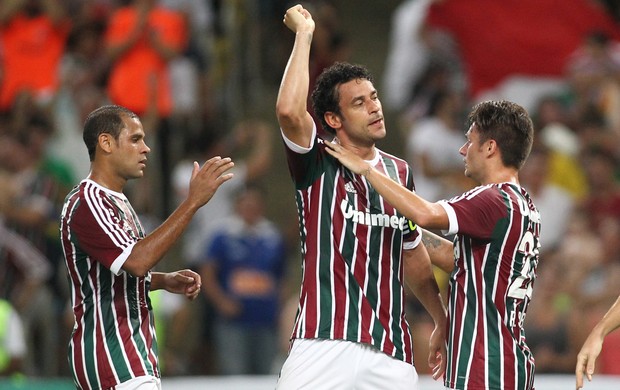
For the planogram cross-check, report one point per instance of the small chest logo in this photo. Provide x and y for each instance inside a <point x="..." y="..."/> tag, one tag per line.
<point x="348" y="186"/>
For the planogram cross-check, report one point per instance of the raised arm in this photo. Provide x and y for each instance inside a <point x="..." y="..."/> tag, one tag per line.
<point x="291" y="104"/>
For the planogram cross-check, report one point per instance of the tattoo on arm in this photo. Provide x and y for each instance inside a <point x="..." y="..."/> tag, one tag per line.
<point x="439" y="249"/>
<point x="430" y="240"/>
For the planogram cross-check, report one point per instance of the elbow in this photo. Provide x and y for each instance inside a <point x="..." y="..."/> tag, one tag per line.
<point x="135" y="268"/>
<point x="284" y="112"/>
<point x="289" y="114"/>
<point x="430" y="217"/>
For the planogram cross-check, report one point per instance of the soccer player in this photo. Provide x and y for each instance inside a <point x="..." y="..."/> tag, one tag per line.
<point x="495" y="252"/>
<point x="109" y="257"/>
<point x="351" y="329"/>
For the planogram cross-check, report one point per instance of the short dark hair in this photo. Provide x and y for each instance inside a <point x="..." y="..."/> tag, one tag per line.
<point x="509" y="125"/>
<point x="106" y="119"/>
<point x="325" y="97"/>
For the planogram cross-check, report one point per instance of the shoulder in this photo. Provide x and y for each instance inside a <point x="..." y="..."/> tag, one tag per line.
<point x="395" y="159"/>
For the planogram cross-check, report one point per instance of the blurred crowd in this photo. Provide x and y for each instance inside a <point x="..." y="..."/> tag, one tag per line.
<point x="201" y="74"/>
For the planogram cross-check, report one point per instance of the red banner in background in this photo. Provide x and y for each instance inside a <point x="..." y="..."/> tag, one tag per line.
<point x="500" y="38"/>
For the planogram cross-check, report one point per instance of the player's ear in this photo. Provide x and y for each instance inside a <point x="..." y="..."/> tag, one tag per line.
<point x="333" y="120"/>
<point x="105" y="141"/>
<point x="491" y="147"/>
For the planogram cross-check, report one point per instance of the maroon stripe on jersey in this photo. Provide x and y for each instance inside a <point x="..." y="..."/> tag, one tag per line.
<point x="122" y="313"/>
<point x="78" y="363"/>
<point x="402" y="172"/>
<point x="148" y="329"/>
<point x="102" y="358"/>
<point x="479" y="374"/>
<point x="457" y="321"/>
<point x="340" y="273"/>
<point x="385" y="292"/>
<point x="509" y="250"/>
<point x="361" y="259"/>
<point x="311" y="265"/>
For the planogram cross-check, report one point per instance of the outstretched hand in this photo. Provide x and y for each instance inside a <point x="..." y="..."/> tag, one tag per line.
<point x="206" y="180"/>
<point x="350" y="160"/>
<point x="298" y="19"/>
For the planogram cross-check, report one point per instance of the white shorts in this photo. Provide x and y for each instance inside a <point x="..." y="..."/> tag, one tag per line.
<point x="141" y="383"/>
<point x="338" y="364"/>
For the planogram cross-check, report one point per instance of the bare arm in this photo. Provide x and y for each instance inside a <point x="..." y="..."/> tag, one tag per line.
<point x="440" y="250"/>
<point x="422" y="212"/>
<point x="203" y="184"/>
<point x="586" y="358"/>
<point x="420" y="278"/>
<point x="291" y="104"/>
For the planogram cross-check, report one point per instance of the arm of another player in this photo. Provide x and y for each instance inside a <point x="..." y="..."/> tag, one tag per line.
<point x="420" y="278"/>
<point x="586" y="358"/>
<point x="424" y="213"/>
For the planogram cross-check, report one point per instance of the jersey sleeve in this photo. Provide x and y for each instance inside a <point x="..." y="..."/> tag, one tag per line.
<point x="475" y="213"/>
<point x="99" y="230"/>
<point x="305" y="163"/>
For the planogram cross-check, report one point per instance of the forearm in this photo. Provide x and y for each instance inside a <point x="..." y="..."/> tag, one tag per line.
<point x="158" y="281"/>
<point x="150" y="250"/>
<point x="291" y="104"/>
<point x="440" y="250"/>
<point x="610" y="321"/>
<point x="427" y="292"/>
<point x="421" y="280"/>
<point x="422" y="212"/>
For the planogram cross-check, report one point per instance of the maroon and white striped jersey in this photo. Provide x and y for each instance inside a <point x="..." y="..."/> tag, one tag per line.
<point x="113" y="337"/>
<point x="352" y="245"/>
<point x="496" y="249"/>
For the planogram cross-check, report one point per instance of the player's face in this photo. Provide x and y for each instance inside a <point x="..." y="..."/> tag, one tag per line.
<point x="472" y="154"/>
<point x="362" y="116"/>
<point x="131" y="150"/>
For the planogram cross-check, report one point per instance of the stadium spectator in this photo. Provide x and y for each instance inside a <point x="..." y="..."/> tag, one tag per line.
<point x="242" y="273"/>
<point x="33" y="35"/>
